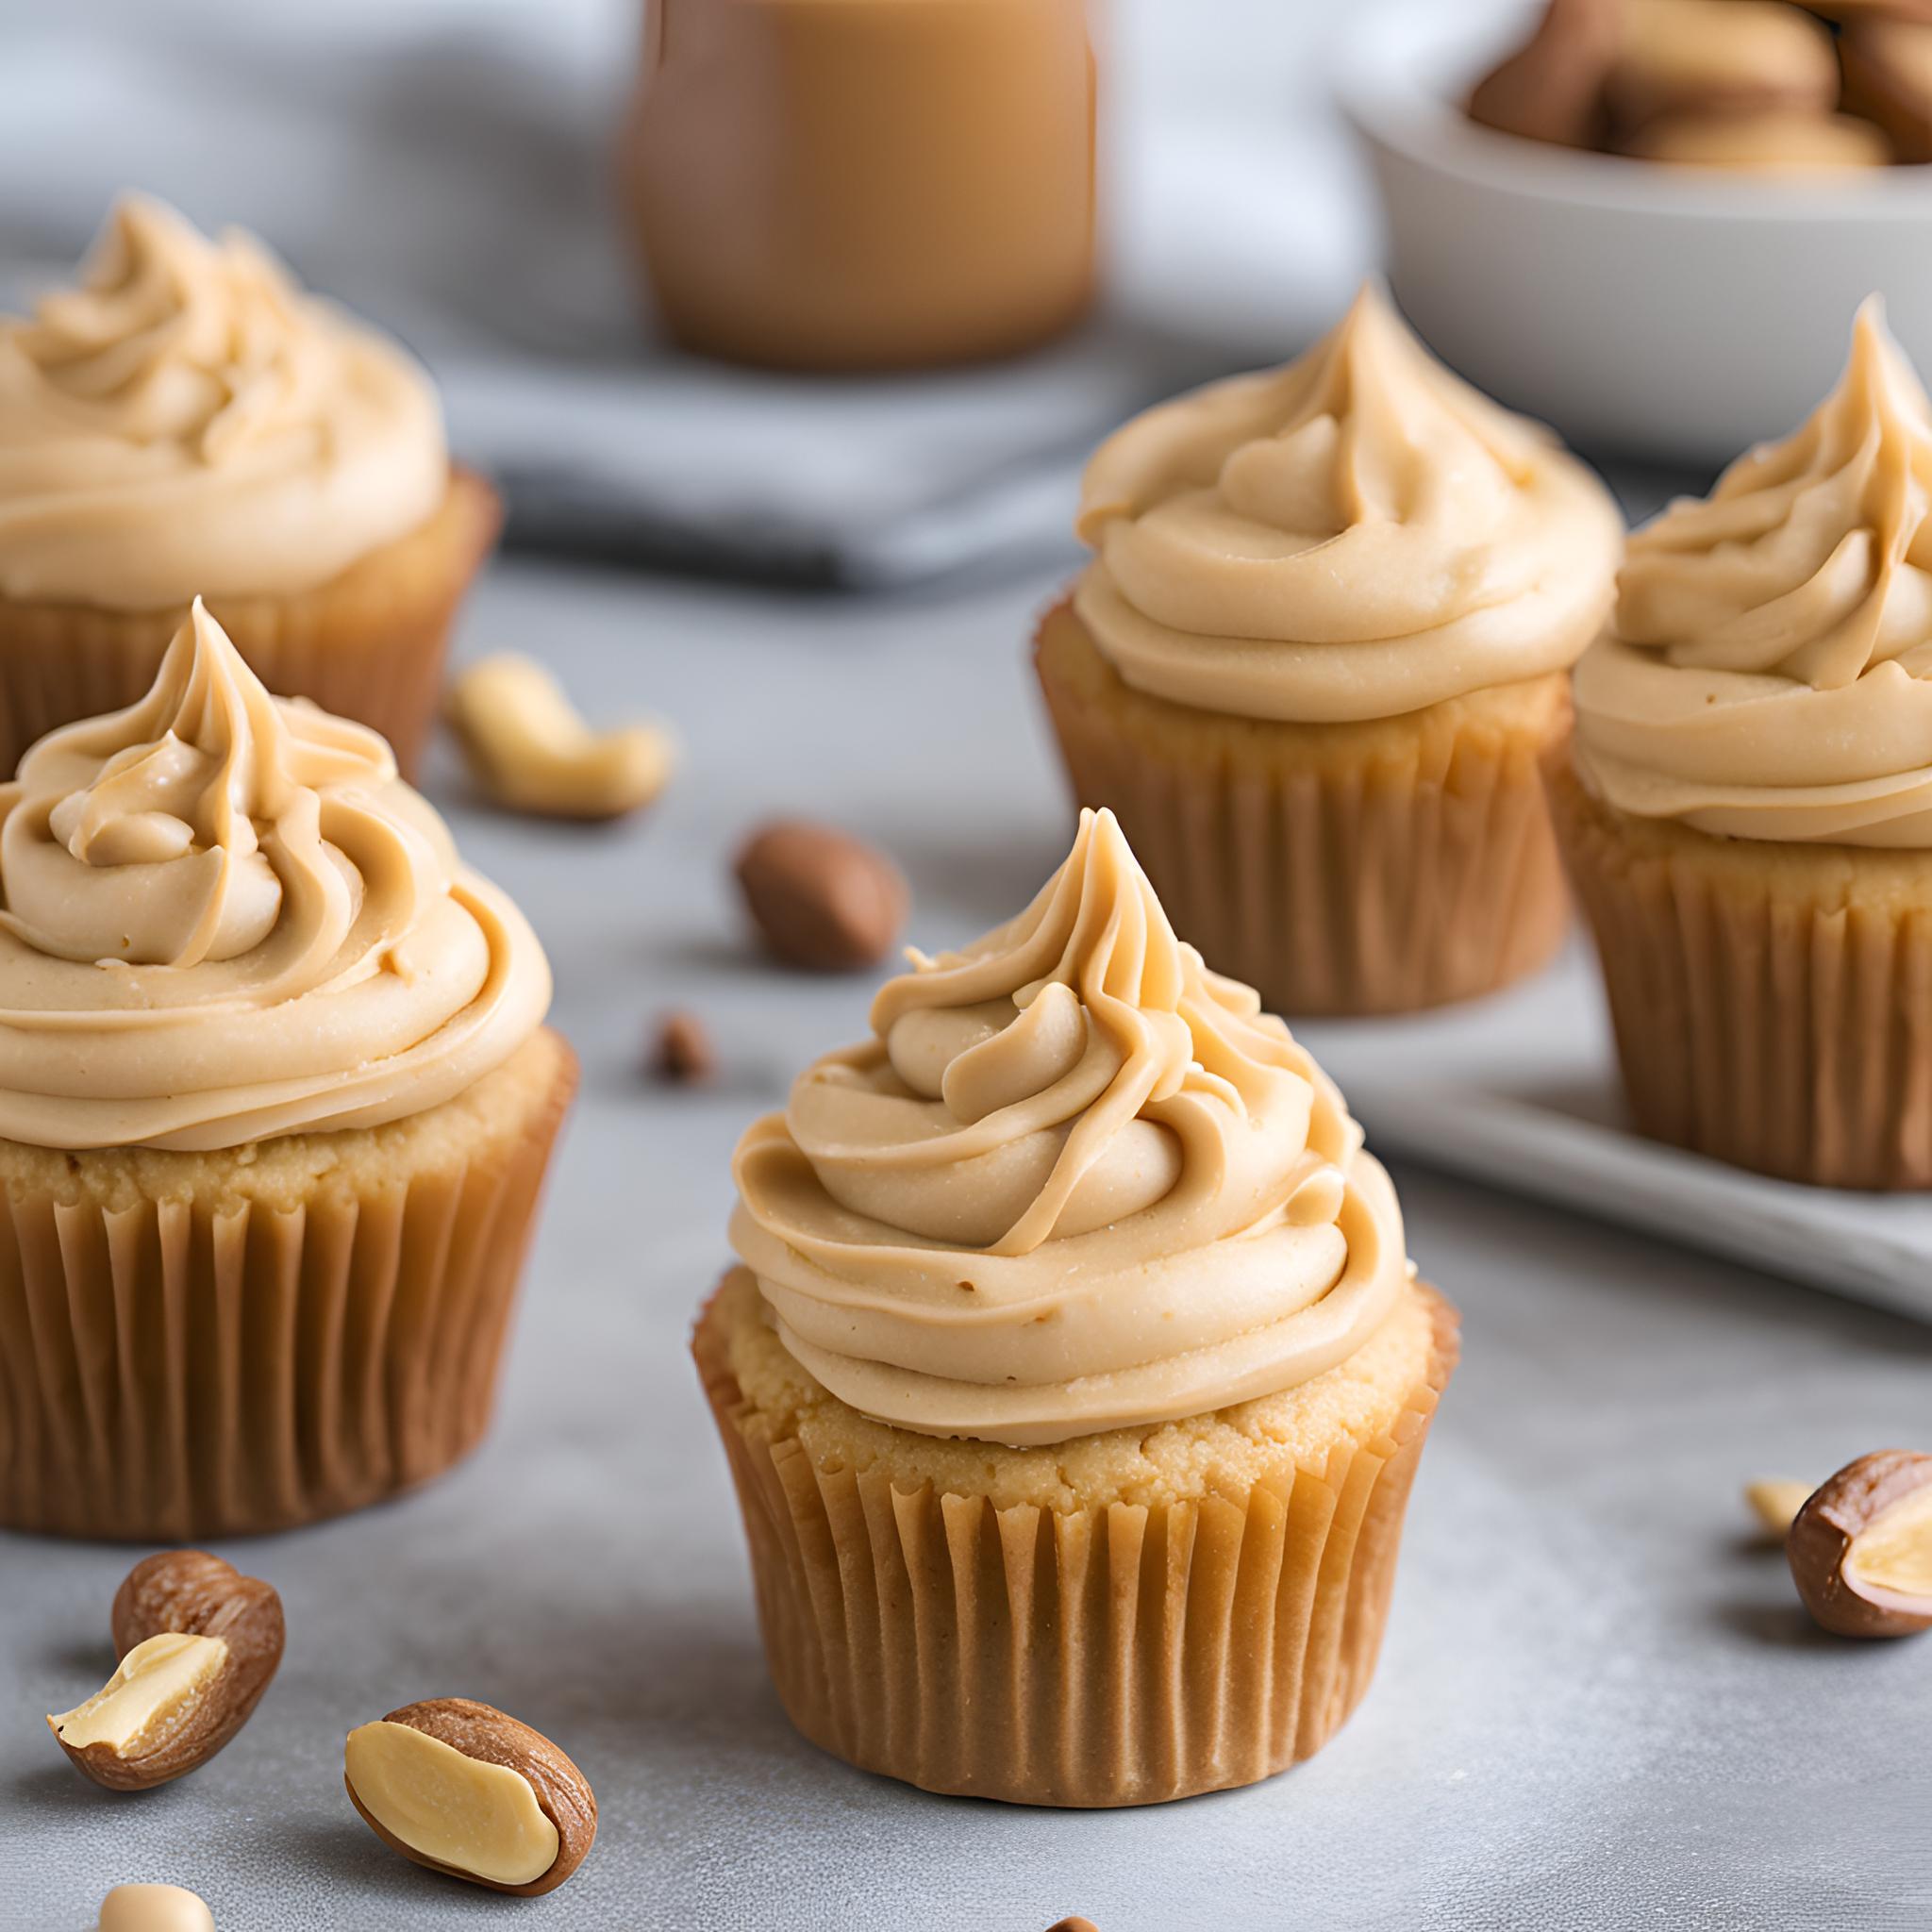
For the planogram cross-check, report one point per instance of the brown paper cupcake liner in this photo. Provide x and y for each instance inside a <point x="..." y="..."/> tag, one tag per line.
<point x="173" y="1368"/>
<point x="1110" y="1656"/>
<point x="1772" y="1003"/>
<point x="367" y="645"/>
<point x="1338" y="870"/>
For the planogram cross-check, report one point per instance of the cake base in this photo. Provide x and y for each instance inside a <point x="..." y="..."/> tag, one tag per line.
<point x="1122" y="1620"/>
<point x="369" y="644"/>
<point x="1772" y="1003"/>
<point x="199" y="1345"/>
<point x="1338" y="869"/>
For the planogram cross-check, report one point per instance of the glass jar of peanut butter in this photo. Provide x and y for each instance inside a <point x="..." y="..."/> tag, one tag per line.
<point x="864" y="184"/>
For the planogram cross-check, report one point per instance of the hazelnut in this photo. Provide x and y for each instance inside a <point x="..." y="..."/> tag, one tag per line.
<point x="460" y="1788"/>
<point x="821" y="899"/>
<point x="1552" y="88"/>
<point x="154" y="1909"/>
<point x="1860" y="1549"/>
<point x="528" y="748"/>
<point x="682" y="1053"/>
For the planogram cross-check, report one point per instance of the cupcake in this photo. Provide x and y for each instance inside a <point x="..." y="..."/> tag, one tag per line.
<point x="1074" y="1378"/>
<point x="276" y="1103"/>
<point x="1747" y="812"/>
<point x="1316" y="660"/>
<point x="189" y="422"/>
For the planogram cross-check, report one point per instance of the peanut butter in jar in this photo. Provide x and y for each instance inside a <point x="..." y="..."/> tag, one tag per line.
<point x="864" y="184"/>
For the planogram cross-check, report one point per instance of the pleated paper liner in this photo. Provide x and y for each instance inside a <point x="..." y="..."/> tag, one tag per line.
<point x="1772" y="1003"/>
<point x="1338" y="869"/>
<point x="1108" y="1655"/>
<point x="182" y="1363"/>
<point x="367" y="645"/>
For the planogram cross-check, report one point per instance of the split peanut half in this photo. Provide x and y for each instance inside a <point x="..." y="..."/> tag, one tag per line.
<point x="461" y="1788"/>
<point x="1860" y="1549"/>
<point x="198" y="1642"/>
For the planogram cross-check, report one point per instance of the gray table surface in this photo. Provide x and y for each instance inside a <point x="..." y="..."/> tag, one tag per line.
<point x="1597" y="1706"/>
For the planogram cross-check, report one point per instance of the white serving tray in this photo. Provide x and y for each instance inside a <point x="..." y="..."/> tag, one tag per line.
<point x="1520" y="1091"/>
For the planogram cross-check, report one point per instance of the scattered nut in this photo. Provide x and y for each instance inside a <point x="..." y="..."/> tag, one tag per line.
<point x="1889" y="80"/>
<point x="197" y="1595"/>
<point x="821" y="900"/>
<point x="164" y="1713"/>
<point x="1712" y="59"/>
<point x="461" y="1788"/>
<point x="1072" y="1925"/>
<point x="529" y="750"/>
<point x="1775" y="140"/>
<point x="1860" y="1549"/>
<point x="154" y="1909"/>
<point x="1552" y="88"/>
<point x="1774" y="1501"/>
<point x="682" y="1053"/>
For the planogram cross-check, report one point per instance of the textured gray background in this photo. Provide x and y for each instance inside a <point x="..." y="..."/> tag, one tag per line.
<point x="1596" y="1707"/>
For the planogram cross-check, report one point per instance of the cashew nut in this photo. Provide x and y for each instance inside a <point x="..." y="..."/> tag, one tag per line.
<point x="1776" y="1501"/>
<point x="530" y="750"/>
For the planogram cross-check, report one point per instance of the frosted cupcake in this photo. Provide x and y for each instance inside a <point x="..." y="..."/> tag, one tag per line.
<point x="1074" y="1376"/>
<point x="1748" y="812"/>
<point x="189" y="422"/>
<point x="1317" y="659"/>
<point x="275" y="1102"/>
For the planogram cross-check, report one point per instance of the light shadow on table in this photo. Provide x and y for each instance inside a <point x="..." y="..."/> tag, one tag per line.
<point x="1760" y="1620"/>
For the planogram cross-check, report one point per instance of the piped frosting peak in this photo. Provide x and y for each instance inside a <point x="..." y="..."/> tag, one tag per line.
<point x="187" y="340"/>
<point x="223" y="916"/>
<point x="187" y="422"/>
<point x="1811" y="557"/>
<point x="1355" y="535"/>
<point x="1075" y="1182"/>
<point x="1769" y="670"/>
<point x="194" y="817"/>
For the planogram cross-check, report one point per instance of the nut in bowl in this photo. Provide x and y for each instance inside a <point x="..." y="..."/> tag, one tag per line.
<point x="1676" y="312"/>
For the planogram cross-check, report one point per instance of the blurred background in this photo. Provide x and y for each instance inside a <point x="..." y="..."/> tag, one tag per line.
<point x="450" y="168"/>
<point x="482" y="176"/>
<point x="1629" y="1728"/>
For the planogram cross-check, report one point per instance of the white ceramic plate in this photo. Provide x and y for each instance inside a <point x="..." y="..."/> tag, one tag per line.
<point x="1520" y="1091"/>
<point x="1676" y="313"/>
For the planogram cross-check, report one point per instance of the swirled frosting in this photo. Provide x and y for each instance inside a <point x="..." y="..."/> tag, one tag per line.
<point x="1768" y="673"/>
<point x="1074" y="1182"/>
<point x="1357" y="535"/>
<point x="224" y="917"/>
<point x="187" y="422"/>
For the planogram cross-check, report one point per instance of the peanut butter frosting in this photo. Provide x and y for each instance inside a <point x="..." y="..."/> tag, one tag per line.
<point x="1074" y="1182"/>
<point x="187" y="422"/>
<point x="1768" y="673"/>
<point x="1356" y="536"/>
<point x="224" y="917"/>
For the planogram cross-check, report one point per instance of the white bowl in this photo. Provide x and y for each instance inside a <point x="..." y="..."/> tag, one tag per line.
<point x="1672" y="313"/>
